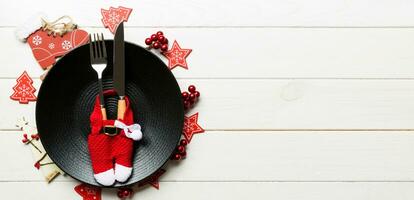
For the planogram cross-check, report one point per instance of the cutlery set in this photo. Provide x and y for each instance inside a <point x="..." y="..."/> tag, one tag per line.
<point x="99" y="61"/>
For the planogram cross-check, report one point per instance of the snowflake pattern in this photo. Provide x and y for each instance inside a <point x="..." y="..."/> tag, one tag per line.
<point x="51" y="46"/>
<point x="37" y="40"/>
<point x="66" y="45"/>
<point x="114" y="17"/>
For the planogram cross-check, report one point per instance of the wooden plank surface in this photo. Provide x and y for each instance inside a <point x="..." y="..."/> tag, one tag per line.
<point x="302" y="156"/>
<point x="366" y="13"/>
<point x="213" y="190"/>
<point x="233" y="104"/>
<point x="300" y="99"/>
<point x="264" y="53"/>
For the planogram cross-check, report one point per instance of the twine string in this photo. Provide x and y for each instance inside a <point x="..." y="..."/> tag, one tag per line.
<point x="59" y="27"/>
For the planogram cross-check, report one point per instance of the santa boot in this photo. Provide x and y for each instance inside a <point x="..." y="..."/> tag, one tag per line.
<point x="123" y="145"/>
<point x="100" y="148"/>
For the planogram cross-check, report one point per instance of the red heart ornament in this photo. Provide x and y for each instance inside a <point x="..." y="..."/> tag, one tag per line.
<point x="46" y="48"/>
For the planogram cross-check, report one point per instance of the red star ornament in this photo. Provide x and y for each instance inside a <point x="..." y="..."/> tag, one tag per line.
<point x="154" y="179"/>
<point x="191" y="127"/>
<point x="24" y="90"/>
<point x="88" y="192"/>
<point x="176" y="56"/>
<point x="114" y="16"/>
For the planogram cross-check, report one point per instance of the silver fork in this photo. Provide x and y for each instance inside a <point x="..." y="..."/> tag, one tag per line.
<point x="99" y="61"/>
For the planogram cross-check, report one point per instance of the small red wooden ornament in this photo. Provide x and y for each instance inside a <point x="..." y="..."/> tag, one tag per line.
<point x="24" y="90"/>
<point x="88" y="192"/>
<point x="112" y="17"/>
<point x="153" y="180"/>
<point x="46" y="48"/>
<point x="191" y="127"/>
<point x="177" y="56"/>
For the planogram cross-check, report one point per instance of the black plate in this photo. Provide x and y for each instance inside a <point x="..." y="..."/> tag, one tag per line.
<point x="66" y="100"/>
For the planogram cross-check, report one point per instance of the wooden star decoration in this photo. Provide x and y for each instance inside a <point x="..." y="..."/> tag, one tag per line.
<point x="191" y="127"/>
<point x="154" y="179"/>
<point x="177" y="56"/>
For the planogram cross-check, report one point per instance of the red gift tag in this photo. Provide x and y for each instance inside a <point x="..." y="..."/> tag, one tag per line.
<point x="114" y="16"/>
<point x="88" y="192"/>
<point x="177" y="56"/>
<point x="46" y="48"/>
<point x="24" y="90"/>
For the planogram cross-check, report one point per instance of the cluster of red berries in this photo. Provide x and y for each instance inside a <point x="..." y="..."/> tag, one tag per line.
<point x="180" y="152"/>
<point x="124" y="193"/>
<point x="190" y="97"/>
<point x="26" y="139"/>
<point x="157" y="41"/>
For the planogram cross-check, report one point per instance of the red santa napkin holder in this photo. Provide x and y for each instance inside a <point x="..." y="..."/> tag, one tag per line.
<point x="110" y="144"/>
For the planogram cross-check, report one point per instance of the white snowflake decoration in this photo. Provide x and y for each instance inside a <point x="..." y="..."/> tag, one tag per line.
<point x="51" y="46"/>
<point x="114" y="17"/>
<point x="66" y="45"/>
<point x="37" y="40"/>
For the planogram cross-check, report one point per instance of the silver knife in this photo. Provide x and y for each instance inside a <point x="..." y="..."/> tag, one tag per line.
<point x="119" y="69"/>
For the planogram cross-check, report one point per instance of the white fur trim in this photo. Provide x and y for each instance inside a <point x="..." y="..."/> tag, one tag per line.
<point x="32" y="24"/>
<point x="106" y="178"/>
<point x="122" y="173"/>
<point x="133" y="131"/>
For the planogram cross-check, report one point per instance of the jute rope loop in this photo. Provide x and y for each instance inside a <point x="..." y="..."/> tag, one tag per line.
<point x="59" y="27"/>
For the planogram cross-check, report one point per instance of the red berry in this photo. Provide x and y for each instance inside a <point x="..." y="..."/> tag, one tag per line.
<point x="156" y="45"/>
<point x="37" y="165"/>
<point x="148" y="41"/>
<point x="181" y="149"/>
<point x="161" y="38"/>
<point x="164" y="40"/>
<point x="183" y="142"/>
<point x="183" y="154"/>
<point x="164" y="47"/>
<point x="192" y="88"/>
<point x="197" y="93"/>
<point x="160" y="33"/>
<point x="120" y="194"/>
<point x="25" y="140"/>
<point x="187" y="104"/>
<point x="192" y="97"/>
<point x="177" y="157"/>
<point x="154" y="37"/>
<point x="25" y="136"/>
<point x="127" y="192"/>
<point x="185" y="95"/>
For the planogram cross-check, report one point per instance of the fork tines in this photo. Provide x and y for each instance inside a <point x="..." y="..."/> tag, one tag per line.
<point x="97" y="49"/>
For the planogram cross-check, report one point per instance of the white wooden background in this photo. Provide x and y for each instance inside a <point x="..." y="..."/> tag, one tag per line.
<point x="300" y="99"/>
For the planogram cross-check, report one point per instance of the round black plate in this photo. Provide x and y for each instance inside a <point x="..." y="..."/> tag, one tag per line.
<point x="66" y="99"/>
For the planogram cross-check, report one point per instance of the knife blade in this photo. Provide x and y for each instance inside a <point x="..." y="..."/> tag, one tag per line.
<point x="119" y="69"/>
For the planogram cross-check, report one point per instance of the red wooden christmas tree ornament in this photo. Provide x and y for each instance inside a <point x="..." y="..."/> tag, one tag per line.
<point x="88" y="192"/>
<point x="191" y="127"/>
<point x="177" y="56"/>
<point x="114" y="16"/>
<point x="24" y="90"/>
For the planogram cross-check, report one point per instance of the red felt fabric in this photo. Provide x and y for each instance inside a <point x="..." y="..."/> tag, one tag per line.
<point x="106" y="150"/>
